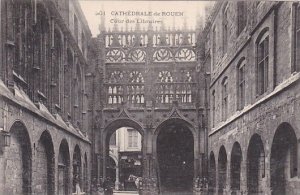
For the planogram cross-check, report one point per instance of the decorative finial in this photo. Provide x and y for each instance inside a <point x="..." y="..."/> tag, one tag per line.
<point x="102" y="19"/>
<point x="184" y="23"/>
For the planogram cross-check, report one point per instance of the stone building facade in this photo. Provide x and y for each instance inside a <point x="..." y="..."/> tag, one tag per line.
<point x="225" y="101"/>
<point x="252" y="49"/>
<point x="44" y="70"/>
<point x="148" y="82"/>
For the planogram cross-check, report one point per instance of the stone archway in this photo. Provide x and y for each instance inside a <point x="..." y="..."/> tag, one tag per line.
<point x="174" y="151"/>
<point x="109" y="130"/>
<point x="222" y="170"/>
<point x="255" y="165"/>
<point x="235" y="168"/>
<point x="212" y="174"/>
<point x="44" y="165"/>
<point x="283" y="162"/>
<point x="85" y="174"/>
<point x="77" y="168"/>
<point x="19" y="164"/>
<point x="63" y="168"/>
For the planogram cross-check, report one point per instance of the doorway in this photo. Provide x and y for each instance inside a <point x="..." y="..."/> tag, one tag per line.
<point x="175" y="155"/>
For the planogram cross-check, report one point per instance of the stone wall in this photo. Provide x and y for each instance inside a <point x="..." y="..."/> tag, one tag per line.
<point x="264" y="117"/>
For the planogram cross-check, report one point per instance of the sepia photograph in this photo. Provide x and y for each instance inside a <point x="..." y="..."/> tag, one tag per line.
<point x="133" y="97"/>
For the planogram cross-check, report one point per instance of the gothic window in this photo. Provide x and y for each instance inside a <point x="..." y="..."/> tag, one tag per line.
<point x="83" y="43"/>
<point x="241" y="16"/>
<point x="115" y="55"/>
<point x="45" y="53"/>
<point x="185" y="54"/>
<point x="115" y="94"/>
<point x="214" y="45"/>
<point x="162" y="55"/>
<point x="9" y="29"/>
<point x="184" y="87"/>
<point x="41" y="52"/>
<point x="241" y="84"/>
<point x="213" y="107"/>
<point x="262" y="64"/>
<point x="137" y="55"/>
<point x="55" y="72"/>
<point x="186" y="76"/>
<point x="115" y="87"/>
<point x="78" y="96"/>
<point x="136" y="77"/>
<point x="67" y="82"/>
<point x="165" y="77"/>
<point x="296" y="64"/>
<point x="132" y="138"/>
<point x="19" y="19"/>
<point x="224" y="98"/>
<point x="116" y="77"/>
<point x="135" y="88"/>
<point x="165" y="90"/>
<point x="76" y="28"/>
<point x="225" y="31"/>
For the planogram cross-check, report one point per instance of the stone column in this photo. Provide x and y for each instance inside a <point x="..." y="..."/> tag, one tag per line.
<point x="243" y="179"/>
<point x="117" y="177"/>
<point x="298" y="160"/>
<point x="98" y="167"/>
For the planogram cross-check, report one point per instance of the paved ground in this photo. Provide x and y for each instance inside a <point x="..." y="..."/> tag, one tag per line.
<point x="125" y="192"/>
<point x="164" y="193"/>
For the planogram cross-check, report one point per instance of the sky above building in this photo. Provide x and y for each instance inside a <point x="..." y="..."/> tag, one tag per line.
<point x="128" y="14"/>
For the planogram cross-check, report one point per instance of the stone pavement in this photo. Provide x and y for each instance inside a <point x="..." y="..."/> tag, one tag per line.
<point x="125" y="192"/>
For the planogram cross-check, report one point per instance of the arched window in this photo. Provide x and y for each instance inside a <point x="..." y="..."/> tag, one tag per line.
<point x="55" y="72"/>
<point x="77" y="96"/>
<point x="41" y="54"/>
<point x="241" y="84"/>
<point x="296" y="64"/>
<point x="241" y="16"/>
<point x="262" y="69"/>
<point x="135" y="88"/>
<point x="67" y="83"/>
<point x="83" y="46"/>
<point x="115" y="90"/>
<point x="213" y="107"/>
<point x="214" y="45"/>
<point x="166" y="87"/>
<point x="77" y="168"/>
<point x="183" y="90"/>
<point x="20" y="36"/>
<point x="225" y="30"/>
<point x="224" y="98"/>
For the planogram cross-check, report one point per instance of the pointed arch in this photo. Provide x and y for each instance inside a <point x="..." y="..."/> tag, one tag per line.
<point x="64" y="182"/>
<point x="284" y="160"/>
<point x="18" y="171"/>
<point x="235" y="167"/>
<point x="212" y="173"/>
<point x="77" y="167"/>
<point x="44" y="167"/>
<point x="255" y="165"/>
<point x="222" y="170"/>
